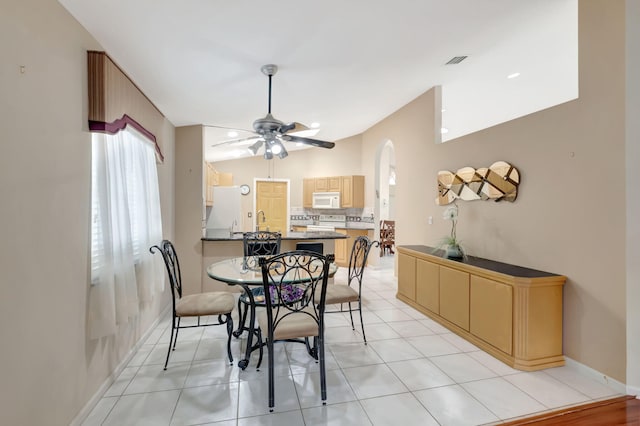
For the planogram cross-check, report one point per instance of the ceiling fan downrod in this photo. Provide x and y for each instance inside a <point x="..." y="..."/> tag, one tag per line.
<point x="269" y="70"/>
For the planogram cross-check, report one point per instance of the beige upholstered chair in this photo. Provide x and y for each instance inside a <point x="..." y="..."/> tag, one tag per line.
<point x="294" y="286"/>
<point x="199" y="305"/>
<point x="352" y="291"/>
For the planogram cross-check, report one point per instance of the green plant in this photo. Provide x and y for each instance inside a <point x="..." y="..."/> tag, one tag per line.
<point x="450" y="243"/>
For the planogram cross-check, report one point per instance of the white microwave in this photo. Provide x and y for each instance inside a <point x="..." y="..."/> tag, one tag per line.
<point x="326" y="200"/>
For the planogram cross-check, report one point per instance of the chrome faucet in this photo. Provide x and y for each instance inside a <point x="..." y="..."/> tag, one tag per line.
<point x="264" y="219"/>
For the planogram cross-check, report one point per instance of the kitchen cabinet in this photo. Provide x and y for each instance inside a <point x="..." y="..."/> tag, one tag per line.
<point x="352" y="193"/>
<point x="308" y="188"/>
<point x="321" y="184"/>
<point x="215" y="178"/>
<point x="340" y="249"/>
<point x="511" y="312"/>
<point x="351" y="189"/>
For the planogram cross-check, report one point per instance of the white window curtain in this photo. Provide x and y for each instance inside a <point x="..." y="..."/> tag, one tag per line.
<point x="126" y="221"/>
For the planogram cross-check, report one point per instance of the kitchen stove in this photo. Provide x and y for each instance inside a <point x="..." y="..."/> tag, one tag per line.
<point x="328" y="222"/>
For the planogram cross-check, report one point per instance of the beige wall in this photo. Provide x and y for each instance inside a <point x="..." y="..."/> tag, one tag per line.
<point x="189" y="202"/>
<point x="49" y="368"/>
<point x="633" y="193"/>
<point x="570" y="215"/>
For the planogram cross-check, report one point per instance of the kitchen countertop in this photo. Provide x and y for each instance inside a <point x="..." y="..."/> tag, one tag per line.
<point x="224" y="235"/>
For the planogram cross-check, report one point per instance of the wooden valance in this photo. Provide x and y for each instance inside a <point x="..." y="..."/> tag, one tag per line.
<point x="116" y="102"/>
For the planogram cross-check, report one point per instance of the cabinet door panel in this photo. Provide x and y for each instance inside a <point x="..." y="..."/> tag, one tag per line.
<point x="428" y="285"/>
<point x="454" y="296"/>
<point x="308" y="187"/>
<point x="407" y="276"/>
<point x="492" y="312"/>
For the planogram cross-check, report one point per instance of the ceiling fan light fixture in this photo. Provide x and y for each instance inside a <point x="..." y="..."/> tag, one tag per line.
<point x="268" y="155"/>
<point x="255" y="147"/>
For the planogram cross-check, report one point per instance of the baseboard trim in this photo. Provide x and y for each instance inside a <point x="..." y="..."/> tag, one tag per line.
<point x="104" y="387"/>
<point x="617" y="386"/>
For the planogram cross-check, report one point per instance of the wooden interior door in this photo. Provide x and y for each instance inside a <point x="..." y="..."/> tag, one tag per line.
<point x="272" y="199"/>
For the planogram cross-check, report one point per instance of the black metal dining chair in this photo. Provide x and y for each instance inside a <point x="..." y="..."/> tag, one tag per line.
<point x="294" y="285"/>
<point x="259" y="243"/>
<point x="198" y="305"/>
<point x="351" y="292"/>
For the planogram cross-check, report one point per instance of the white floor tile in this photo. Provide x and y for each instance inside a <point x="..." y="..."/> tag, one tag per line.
<point x="347" y="414"/>
<point x="151" y="378"/>
<point x="290" y="418"/>
<point x="354" y="355"/>
<point x="308" y="389"/>
<point x="502" y="398"/>
<point x="411" y="328"/>
<point x="204" y="373"/>
<point x="379" y="332"/>
<point x="460" y="343"/>
<point x="493" y="364"/>
<point x="462" y="368"/>
<point x="145" y="409"/>
<point x="419" y="374"/>
<point x="452" y="380"/>
<point x="546" y="389"/>
<point x="254" y="396"/>
<point x="184" y="352"/>
<point x="433" y="345"/>
<point x="392" y="315"/>
<point x="373" y="380"/>
<point x="121" y="383"/>
<point x="100" y="411"/>
<point x="206" y="404"/>
<point x="453" y="406"/>
<point x="585" y="385"/>
<point x="395" y="350"/>
<point x="300" y="362"/>
<point x="403" y="409"/>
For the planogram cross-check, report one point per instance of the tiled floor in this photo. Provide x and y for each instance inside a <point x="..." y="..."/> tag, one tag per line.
<point x="412" y="372"/>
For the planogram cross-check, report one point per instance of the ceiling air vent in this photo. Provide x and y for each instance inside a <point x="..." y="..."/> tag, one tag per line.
<point x="456" y="60"/>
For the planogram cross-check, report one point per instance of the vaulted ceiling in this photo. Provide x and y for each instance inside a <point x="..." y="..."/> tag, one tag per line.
<point x="343" y="64"/>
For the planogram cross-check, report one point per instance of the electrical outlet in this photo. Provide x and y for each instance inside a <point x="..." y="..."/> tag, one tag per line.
<point x="430" y="220"/>
<point x="249" y="214"/>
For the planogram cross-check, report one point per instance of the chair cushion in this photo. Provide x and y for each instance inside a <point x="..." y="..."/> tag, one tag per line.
<point x="297" y="324"/>
<point x="339" y="293"/>
<point x="212" y="303"/>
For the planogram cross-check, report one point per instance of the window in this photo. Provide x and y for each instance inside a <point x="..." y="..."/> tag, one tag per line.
<point x="126" y="221"/>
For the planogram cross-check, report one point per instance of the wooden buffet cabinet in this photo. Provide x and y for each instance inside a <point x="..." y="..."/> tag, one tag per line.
<point x="511" y="312"/>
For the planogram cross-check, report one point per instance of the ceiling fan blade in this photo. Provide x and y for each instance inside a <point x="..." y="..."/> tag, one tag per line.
<point x="292" y="127"/>
<point x="250" y="138"/>
<point x="308" y="141"/>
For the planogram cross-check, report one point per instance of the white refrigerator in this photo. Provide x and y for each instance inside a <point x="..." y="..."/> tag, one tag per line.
<point x="226" y="212"/>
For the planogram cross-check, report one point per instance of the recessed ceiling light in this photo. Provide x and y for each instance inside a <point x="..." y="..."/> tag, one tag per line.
<point x="514" y="75"/>
<point x="444" y="130"/>
<point x="315" y="125"/>
<point x="232" y="134"/>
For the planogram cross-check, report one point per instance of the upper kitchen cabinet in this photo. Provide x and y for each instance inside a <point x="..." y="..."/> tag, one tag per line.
<point x="352" y="192"/>
<point x="308" y="188"/>
<point x="215" y="178"/>
<point x="351" y="189"/>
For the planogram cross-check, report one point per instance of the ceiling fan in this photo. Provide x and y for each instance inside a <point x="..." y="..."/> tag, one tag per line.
<point x="272" y="132"/>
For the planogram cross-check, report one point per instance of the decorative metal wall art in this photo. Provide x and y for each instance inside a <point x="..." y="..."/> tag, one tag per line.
<point x="498" y="182"/>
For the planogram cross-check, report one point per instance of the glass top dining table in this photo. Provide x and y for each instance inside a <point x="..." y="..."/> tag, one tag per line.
<point x="245" y="271"/>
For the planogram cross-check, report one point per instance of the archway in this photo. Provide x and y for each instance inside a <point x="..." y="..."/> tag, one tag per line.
<point x="385" y="179"/>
